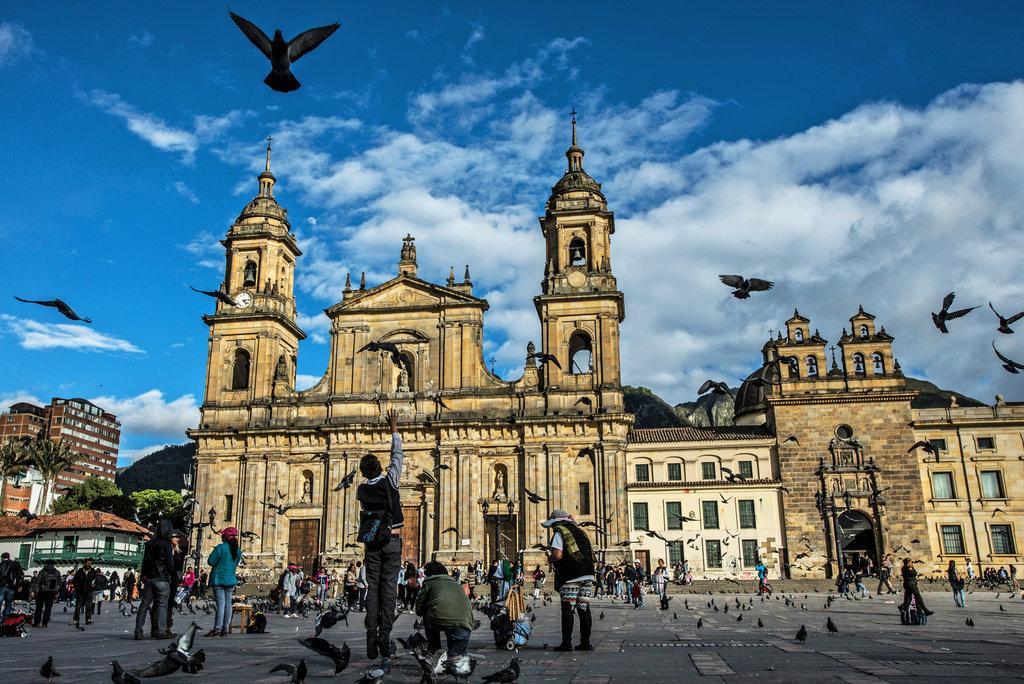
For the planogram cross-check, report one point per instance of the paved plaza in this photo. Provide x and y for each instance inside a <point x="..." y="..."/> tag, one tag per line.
<point x="647" y="644"/>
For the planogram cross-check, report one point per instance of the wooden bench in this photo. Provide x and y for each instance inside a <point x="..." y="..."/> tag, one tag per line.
<point x="244" y="611"/>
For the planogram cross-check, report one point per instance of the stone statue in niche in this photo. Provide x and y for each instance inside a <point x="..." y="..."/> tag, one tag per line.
<point x="307" y="489"/>
<point x="403" y="380"/>
<point x="500" y="483"/>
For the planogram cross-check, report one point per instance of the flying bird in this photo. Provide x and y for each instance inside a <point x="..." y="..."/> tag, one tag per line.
<point x="216" y="294"/>
<point x="249" y="535"/>
<point x="997" y="510"/>
<point x="1010" y="365"/>
<point x="793" y="439"/>
<point x="27" y="515"/>
<point x="389" y="347"/>
<point x="586" y="401"/>
<point x="682" y="518"/>
<point x="744" y="286"/>
<point x="59" y="305"/>
<point x="346" y="481"/>
<point x="724" y="499"/>
<point x="654" y="535"/>
<point x="441" y="466"/>
<point x="282" y="53"/>
<point x="439" y="402"/>
<point x="591" y="523"/>
<point x="297" y="673"/>
<point x="281" y="509"/>
<point x="939" y="319"/>
<point x="1005" y="323"/>
<point x="543" y="358"/>
<point x="719" y="388"/>
<point x="731" y="476"/>
<point x="926" y="447"/>
<point x="452" y="529"/>
<point x="48" y="671"/>
<point x="534" y="498"/>
<point x="339" y="656"/>
<point x="505" y="675"/>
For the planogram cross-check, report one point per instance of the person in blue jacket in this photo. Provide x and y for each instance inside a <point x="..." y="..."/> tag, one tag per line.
<point x="222" y="561"/>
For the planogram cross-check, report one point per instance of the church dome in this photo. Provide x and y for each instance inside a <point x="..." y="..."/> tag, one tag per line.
<point x="264" y="205"/>
<point x="750" y="397"/>
<point x="576" y="189"/>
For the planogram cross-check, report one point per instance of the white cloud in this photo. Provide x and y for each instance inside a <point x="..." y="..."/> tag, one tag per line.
<point x="17" y="396"/>
<point x="304" y="382"/>
<point x="16" y="43"/>
<point x="476" y="36"/>
<point x="143" y="39"/>
<point x="151" y="414"/>
<point x="161" y="135"/>
<point x="207" y="250"/>
<point x="182" y="189"/>
<point x="128" y="456"/>
<point x="34" y="334"/>
<point x="317" y="326"/>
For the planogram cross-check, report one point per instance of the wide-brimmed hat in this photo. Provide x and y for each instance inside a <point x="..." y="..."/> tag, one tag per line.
<point x="557" y="515"/>
<point x="229" y="532"/>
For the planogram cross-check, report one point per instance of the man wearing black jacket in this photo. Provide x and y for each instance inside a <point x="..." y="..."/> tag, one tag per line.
<point x="11" y="575"/>
<point x="83" y="580"/>
<point x="157" y="568"/>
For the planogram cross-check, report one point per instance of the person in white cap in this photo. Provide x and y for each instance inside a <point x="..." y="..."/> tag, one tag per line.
<point x="573" y="559"/>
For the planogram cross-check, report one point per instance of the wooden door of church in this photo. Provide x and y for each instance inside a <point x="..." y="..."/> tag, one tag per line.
<point x="411" y="534"/>
<point x="503" y="537"/>
<point x="304" y="544"/>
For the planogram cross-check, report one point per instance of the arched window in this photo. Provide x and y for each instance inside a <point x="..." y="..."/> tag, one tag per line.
<point x="577" y="252"/>
<point x="799" y="335"/>
<point x="879" y="363"/>
<point x="858" y="364"/>
<point x="240" y="370"/>
<point x="864" y="332"/>
<point x="812" y="366"/>
<point x="581" y="359"/>
<point x="249" y="279"/>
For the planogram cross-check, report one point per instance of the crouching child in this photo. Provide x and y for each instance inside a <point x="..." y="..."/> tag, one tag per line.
<point x="444" y="607"/>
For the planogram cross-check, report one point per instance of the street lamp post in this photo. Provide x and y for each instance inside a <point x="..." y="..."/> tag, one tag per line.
<point x="499" y="517"/>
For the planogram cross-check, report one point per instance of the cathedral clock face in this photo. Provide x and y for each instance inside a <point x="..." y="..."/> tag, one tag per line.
<point x="243" y="299"/>
<point x="576" y="279"/>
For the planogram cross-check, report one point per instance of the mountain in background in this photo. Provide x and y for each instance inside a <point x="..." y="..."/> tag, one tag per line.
<point x="708" y="410"/>
<point x="648" y="409"/>
<point x="161" y="469"/>
<point x="932" y="396"/>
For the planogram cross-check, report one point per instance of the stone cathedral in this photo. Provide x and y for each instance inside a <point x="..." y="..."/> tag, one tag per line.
<point x="270" y="458"/>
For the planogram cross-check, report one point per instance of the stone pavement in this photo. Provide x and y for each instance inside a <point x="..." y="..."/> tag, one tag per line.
<point x="650" y="644"/>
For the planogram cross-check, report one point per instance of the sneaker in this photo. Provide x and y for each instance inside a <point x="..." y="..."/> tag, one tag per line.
<point x="563" y="648"/>
<point x="440" y="660"/>
<point x="211" y="633"/>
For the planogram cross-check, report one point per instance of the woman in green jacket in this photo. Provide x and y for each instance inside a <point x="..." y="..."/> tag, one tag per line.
<point x="222" y="561"/>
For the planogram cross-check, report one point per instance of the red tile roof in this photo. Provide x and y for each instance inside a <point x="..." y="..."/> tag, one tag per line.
<point x="698" y="434"/>
<point x="13" y="526"/>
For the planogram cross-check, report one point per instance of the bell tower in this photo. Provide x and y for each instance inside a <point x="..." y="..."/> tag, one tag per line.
<point x="580" y="306"/>
<point x="253" y="344"/>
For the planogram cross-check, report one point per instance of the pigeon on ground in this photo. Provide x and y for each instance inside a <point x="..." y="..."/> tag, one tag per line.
<point x="759" y="623"/>
<point x="700" y="622"/>
<point x="801" y="635"/>
<point x="506" y="675"/>
<point x="339" y="656"/>
<point x="970" y="623"/>
<point x="282" y="53"/>
<point x="831" y="626"/>
<point x="48" y="671"/>
<point x="939" y="319"/>
<point x="1009" y="364"/>
<point x="346" y="481"/>
<point x="58" y="304"/>
<point x="376" y="675"/>
<point x="216" y="294"/>
<point x="119" y="675"/>
<point x="1005" y="323"/>
<point x="298" y="673"/>
<point x="744" y="286"/>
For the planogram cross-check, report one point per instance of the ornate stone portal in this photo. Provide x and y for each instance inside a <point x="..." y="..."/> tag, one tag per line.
<point x="471" y="439"/>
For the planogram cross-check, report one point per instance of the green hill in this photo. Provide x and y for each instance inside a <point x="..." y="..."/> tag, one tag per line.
<point x="933" y="396"/>
<point x="649" y="410"/>
<point x="161" y="469"/>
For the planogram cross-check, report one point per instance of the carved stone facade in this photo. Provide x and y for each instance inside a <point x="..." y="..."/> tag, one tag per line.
<point x="470" y="437"/>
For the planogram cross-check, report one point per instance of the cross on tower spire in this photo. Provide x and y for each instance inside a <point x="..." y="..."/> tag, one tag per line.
<point x="575" y="152"/>
<point x="270" y="139"/>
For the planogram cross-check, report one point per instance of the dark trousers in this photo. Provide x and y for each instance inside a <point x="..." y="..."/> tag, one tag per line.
<point x="382" y="567"/>
<point x="911" y="590"/>
<point x="457" y="637"/>
<point x="155" y="595"/>
<point x="83" y="604"/>
<point x="44" y="604"/>
<point x="172" y="591"/>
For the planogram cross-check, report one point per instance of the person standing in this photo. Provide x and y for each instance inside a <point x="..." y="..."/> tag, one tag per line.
<point x="762" y="579"/>
<point x="538" y="582"/>
<point x="204" y="579"/>
<point x="100" y="585"/>
<point x="83" y="581"/>
<point x="478" y="571"/>
<point x="573" y="559"/>
<point x="45" y="587"/>
<point x="956" y="584"/>
<point x="188" y="583"/>
<point x="115" y="584"/>
<point x="380" y="515"/>
<point x="291" y="584"/>
<point x="969" y="569"/>
<point x="1014" y="584"/>
<point x="223" y="562"/>
<point x="660" y="580"/>
<point x="11" y="574"/>
<point x="859" y="572"/>
<point x="322" y="580"/>
<point x="885" y="575"/>
<point x="360" y="586"/>
<point x="351" y="596"/>
<point x="910" y="590"/>
<point x="157" y="567"/>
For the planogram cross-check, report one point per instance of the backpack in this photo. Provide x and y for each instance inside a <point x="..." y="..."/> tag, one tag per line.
<point x="374" y="528"/>
<point x="49" y="582"/>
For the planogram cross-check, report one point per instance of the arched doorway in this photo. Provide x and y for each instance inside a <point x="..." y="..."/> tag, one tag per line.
<point x="857" y="537"/>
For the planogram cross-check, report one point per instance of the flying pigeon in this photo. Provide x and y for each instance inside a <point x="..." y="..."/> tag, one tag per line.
<point x="719" y="388"/>
<point x="282" y="53"/>
<point x="389" y="347"/>
<point x="1005" y="323"/>
<point x="545" y="358"/>
<point x="1010" y="365"/>
<point x="59" y="305"/>
<point x="216" y="294"/>
<point x="27" y="515"/>
<point x="298" y="673"/>
<point x="339" y="657"/>
<point x="534" y="498"/>
<point x="119" y="675"/>
<point x="939" y="319"/>
<point x="346" y="481"/>
<point x="744" y="286"/>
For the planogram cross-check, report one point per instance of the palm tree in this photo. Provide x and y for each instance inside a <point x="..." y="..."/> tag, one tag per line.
<point x="14" y="460"/>
<point x="51" y="458"/>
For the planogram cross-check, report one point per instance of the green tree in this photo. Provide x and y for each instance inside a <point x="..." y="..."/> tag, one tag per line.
<point x="83" y="496"/>
<point x="14" y="460"/>
<point x="154" y="504"/>
<point x="51" y="458"/>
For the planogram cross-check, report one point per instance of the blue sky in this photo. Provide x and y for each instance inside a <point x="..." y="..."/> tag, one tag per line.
<point x="857" y="153"/>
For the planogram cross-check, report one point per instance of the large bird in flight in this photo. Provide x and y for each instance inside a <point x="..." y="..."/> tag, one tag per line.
<point x="59" y="305"/>
<point x="744" y="286"/>
<point x="282" y="53"/>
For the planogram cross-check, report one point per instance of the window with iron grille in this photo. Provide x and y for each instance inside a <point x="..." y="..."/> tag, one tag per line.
<point x="707" y="471"/>
<point x="710" y="511"/>
<point x="713" y="553"/>
<point x="675" y="471"/>
<point x="673" y="511"/>
<point x="952" y="539"/>
<point x="749" y="547"/>
<point x="229" y="505"/>
<point x="643" y="472"/>
<point x="1002" y="540"/>
<point x="748" y="519"/>
<point x="640" y="516"/>
<point x="675" y="552"/>
<point x="747" y="470"/>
